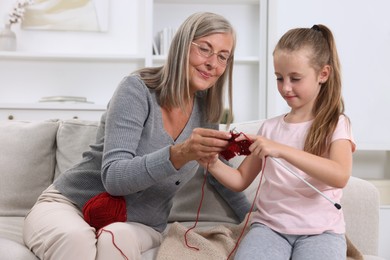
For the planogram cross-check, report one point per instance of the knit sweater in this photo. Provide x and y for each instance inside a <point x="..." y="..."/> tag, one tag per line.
<point x="130" y="157"/>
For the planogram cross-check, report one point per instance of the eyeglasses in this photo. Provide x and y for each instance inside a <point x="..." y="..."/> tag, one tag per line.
<point x="223" y="57"/>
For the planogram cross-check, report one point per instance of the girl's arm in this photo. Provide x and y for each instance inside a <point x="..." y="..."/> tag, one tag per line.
<point x="235" y="179"/>
<point x="333" y="171"/>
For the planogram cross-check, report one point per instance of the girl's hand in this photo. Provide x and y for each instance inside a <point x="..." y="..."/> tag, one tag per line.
<point x="261" y="146"/>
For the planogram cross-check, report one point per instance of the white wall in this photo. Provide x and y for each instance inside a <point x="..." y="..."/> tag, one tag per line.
<point x="362" y="33"/>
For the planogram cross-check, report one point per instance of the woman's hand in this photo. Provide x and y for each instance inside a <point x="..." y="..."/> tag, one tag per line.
<point x="203" y="143"/>
<point x="207" y="162"/>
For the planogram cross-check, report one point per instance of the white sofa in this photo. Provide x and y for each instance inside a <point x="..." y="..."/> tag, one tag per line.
<point x="32" y="154"/>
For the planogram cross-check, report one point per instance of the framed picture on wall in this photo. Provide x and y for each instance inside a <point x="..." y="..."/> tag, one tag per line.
<point x="65" y="15"/>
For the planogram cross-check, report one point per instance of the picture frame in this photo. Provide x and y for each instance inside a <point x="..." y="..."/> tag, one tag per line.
<point x="65" y="15"/>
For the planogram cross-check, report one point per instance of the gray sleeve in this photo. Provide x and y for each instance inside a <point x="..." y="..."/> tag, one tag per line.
<point x="123" y="172"/>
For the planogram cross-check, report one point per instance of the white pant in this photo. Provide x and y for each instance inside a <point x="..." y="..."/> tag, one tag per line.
<point x="55" y="229"/>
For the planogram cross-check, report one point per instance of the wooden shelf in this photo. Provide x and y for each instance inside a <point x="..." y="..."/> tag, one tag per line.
<point x="224" y="2"/>
<point x="47" y="111"/>
<point x="20" y="55"/>
<point x="52" y="106"/>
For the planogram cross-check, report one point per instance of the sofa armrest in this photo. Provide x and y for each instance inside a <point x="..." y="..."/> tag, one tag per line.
<point x="360" y="203"/>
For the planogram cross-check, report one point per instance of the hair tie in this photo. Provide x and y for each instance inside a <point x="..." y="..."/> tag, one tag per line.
<point x="316" y="28"/>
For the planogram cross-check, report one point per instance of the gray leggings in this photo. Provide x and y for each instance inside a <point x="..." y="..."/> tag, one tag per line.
<point x="262" y="242"/>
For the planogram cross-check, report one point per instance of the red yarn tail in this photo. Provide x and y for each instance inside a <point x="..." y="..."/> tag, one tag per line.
<point x="246" y="221"/>
<point x="250" y="211"/>
<point x="113" y="241"/>
<point x="198" y="212"/>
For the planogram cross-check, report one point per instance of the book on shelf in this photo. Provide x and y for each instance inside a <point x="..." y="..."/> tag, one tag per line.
<point x="166" y="35"/>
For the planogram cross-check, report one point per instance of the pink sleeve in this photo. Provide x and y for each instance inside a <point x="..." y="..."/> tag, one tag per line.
<point x="344" y="131"/>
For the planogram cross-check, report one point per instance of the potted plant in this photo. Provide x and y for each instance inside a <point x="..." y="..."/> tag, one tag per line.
<point x="7" y="36"/>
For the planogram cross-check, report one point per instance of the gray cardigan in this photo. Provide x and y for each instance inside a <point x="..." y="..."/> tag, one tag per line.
<point x="131" y="158"/>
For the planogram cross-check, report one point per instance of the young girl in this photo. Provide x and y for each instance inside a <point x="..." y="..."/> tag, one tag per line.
<point x="314" y="141"/>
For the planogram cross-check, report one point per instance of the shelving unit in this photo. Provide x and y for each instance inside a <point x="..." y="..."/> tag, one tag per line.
<point x="77" y="57"/>
<point x="95" y="75"/>
<point x="45" y="111"/>
<point x="249" y="18"/>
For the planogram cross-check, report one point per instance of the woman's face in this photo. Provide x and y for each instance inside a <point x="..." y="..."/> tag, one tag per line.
<point x="204" y="71"/>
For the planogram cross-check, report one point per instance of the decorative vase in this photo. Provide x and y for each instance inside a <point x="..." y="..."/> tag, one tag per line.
<point x="7" y="39"/>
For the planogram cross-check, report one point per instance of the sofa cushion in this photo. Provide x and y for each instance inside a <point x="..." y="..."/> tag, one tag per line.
<point x="214" y="208"/>
<point x="27" y="159"/>
<point x="362" y="229"/>
<point x="10" y="250"/>
<point x="73" y="138"/>
<point x="187" y="201"/>
<point x="12" y="228"/>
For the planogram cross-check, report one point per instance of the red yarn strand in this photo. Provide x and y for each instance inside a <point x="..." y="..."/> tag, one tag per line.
<point x="250" y="212"/>
<point x="113" y="241"/>
<point x="228" y="154"/>
<point x="198" y="212"/>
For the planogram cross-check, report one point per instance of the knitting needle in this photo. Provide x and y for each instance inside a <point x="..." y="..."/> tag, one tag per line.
<point x="338" y="206"/>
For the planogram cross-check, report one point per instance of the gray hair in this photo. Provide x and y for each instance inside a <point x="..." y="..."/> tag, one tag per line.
<point x="171" y="81"/>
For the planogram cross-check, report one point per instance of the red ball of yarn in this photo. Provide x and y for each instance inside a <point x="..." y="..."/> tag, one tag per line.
<point x="104" y="209"/>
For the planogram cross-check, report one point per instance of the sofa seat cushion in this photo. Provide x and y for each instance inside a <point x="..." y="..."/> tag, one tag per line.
<point x="12" y="228"/>
<point x="27" y="159"/>
<point x="11" y="250"/>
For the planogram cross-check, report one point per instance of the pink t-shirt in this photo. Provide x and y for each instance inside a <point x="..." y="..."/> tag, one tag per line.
<point x="285" y="203"/>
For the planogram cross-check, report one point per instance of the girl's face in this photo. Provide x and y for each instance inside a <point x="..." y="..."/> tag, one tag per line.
<point x="204" y="71"/>
<point x="298" y="82"/>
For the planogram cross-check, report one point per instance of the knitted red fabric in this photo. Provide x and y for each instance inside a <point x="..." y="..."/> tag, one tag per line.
<point x="236" y="148"/>
<point x="104" y="209"/>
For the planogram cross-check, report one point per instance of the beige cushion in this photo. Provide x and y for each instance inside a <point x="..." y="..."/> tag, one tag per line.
<point x="214" y="208"/>
<point x="27" y="160"/>
<point x="12" y="228"/>
<point x="12" y="250"/>
<point x="187" y="201"/>
<point x="360" y="203"/>
<point x="73" y="138"/>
